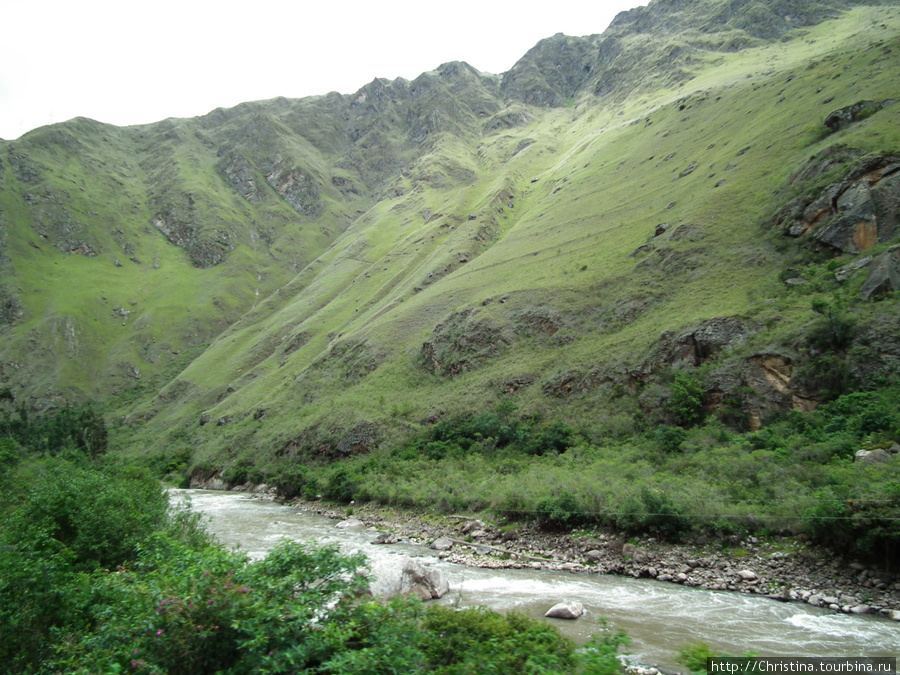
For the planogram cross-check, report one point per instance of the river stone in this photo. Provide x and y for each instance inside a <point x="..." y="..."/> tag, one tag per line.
<point x="385" y="538"/>
<point x="471" y="526"/>
<point x="442" y="544"/>
<point x="893" y="614"/>
<point x="350" y="522"/>
<point x="565" y="610"/>
<point x="421" y="582"/>
<point x="747" y="575"/>
<point x="830" y="600"/>
<point x="594" y="556"/>
<point x="815" y="600"/>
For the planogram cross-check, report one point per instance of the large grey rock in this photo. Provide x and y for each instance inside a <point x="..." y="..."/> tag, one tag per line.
<point x="844" y="117"/>
<point x="876" y="456"/>
<point x="385" y="538"/>
<point x="401" y="575"/>
<point x="747" y="575"/>
<point x="884" y="275"/>
<point x="442" y="544"/>
<point x="425" y="583"/>
<point x="845" y="272"/>
<point x="565" y="610"/>
<point x="593" y="556"/>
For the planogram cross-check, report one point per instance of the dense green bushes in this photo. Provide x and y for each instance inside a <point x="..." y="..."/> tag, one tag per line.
<point x="796" y="475"/>
<point x="99" y="575"/>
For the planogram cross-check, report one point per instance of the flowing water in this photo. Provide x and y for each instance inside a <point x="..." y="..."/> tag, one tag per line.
<point x="659" y="617"/>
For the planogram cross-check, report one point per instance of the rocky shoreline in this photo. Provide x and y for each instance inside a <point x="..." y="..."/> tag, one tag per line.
<point x="784" y="569"/>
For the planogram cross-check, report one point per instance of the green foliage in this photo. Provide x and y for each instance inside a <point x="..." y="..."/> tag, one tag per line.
<point x="479" y="640"/>
<point x="79" y="429"/>
<point x="685" y="404"/>
<point x="562" y="512"/>
<point x="834" y="331"/>
<point x="180" y="610"/>
<point x="459" y="435"/>
<point x="669" y="439"/>
<point x="654" y="511"/>
<point x="694" y="656"/>
<point x="341" y="485"/>
<point x="77" y="520"/>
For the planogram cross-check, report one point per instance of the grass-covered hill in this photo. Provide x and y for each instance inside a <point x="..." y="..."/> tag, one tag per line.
<point x="630" y="231"/>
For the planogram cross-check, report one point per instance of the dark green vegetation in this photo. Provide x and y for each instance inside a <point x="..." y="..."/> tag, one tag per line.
<point x="98" y="574"/>
<point x="645" y="279"/>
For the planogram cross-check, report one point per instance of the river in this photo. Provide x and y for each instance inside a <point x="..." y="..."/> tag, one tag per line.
<point x="659" y="617"/>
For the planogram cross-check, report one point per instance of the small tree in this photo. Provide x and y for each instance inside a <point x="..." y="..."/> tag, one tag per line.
<point x="686" y="402"/>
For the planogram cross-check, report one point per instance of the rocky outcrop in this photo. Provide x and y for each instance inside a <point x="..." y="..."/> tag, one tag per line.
<point x="695" y="346"/>
<point x="844" y="117"/>
<point x="462" y="343"/>
<point x="884" y="275"/>
<point x="206" y="480"/>
<point x="876" y="456"/>
<point x="177" y="220"/>
<point x="850" y="215"/>
<point x="768" y="379"/>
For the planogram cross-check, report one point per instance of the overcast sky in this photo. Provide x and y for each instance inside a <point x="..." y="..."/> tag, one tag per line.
<point x="126" y="62"/>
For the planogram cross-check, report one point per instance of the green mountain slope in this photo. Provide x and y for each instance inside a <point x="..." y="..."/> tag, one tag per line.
<point x="324" y="277"/>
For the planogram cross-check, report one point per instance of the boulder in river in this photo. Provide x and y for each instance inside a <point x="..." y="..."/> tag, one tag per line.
<point x="401" y="575"/>
<point x="385" y="538"/>
<point x="350" y="522"/>
<point x="565" y="610"/>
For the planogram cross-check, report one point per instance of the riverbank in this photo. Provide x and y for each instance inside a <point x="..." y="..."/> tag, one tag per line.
<point x="784" y="569"/>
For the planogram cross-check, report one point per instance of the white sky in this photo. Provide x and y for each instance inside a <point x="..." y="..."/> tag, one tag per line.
<point x="125" y="62"/>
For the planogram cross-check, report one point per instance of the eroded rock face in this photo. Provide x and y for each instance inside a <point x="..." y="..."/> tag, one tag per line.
<point x="853" y="214"/>
<point x="769" y="378"/>
<point x="884" y="275"/>
<point x="844" y="117"/>
<point x="461" y="343"/>
<point x="698" y="345"/>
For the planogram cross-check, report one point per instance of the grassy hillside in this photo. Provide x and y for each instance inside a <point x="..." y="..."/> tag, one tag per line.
<point x="618" y="238"/>
<point x="527" y="255"/>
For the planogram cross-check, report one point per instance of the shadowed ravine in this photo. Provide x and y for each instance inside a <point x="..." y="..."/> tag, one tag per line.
<point x="659" y="617"/>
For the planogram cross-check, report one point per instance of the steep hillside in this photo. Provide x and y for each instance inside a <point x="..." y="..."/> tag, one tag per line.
<point x="298" y="281"/>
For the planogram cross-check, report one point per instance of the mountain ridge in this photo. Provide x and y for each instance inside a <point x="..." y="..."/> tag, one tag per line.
<point x="361" y="264"/>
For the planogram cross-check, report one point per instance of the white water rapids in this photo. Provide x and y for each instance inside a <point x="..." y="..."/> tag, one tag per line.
<point x="659" y="617"/>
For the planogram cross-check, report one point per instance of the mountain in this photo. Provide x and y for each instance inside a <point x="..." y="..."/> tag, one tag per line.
<point x="325" y="276"/>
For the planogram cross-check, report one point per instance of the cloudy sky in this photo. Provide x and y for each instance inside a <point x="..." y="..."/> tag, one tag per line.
<point x="128" y="63"/>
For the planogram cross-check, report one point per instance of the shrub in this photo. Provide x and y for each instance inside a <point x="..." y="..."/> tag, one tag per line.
<point x="685" y="404"/>
<point x="559" y="512"/>
<point x="669" y="439"/>
<point x="653" y="512"/>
